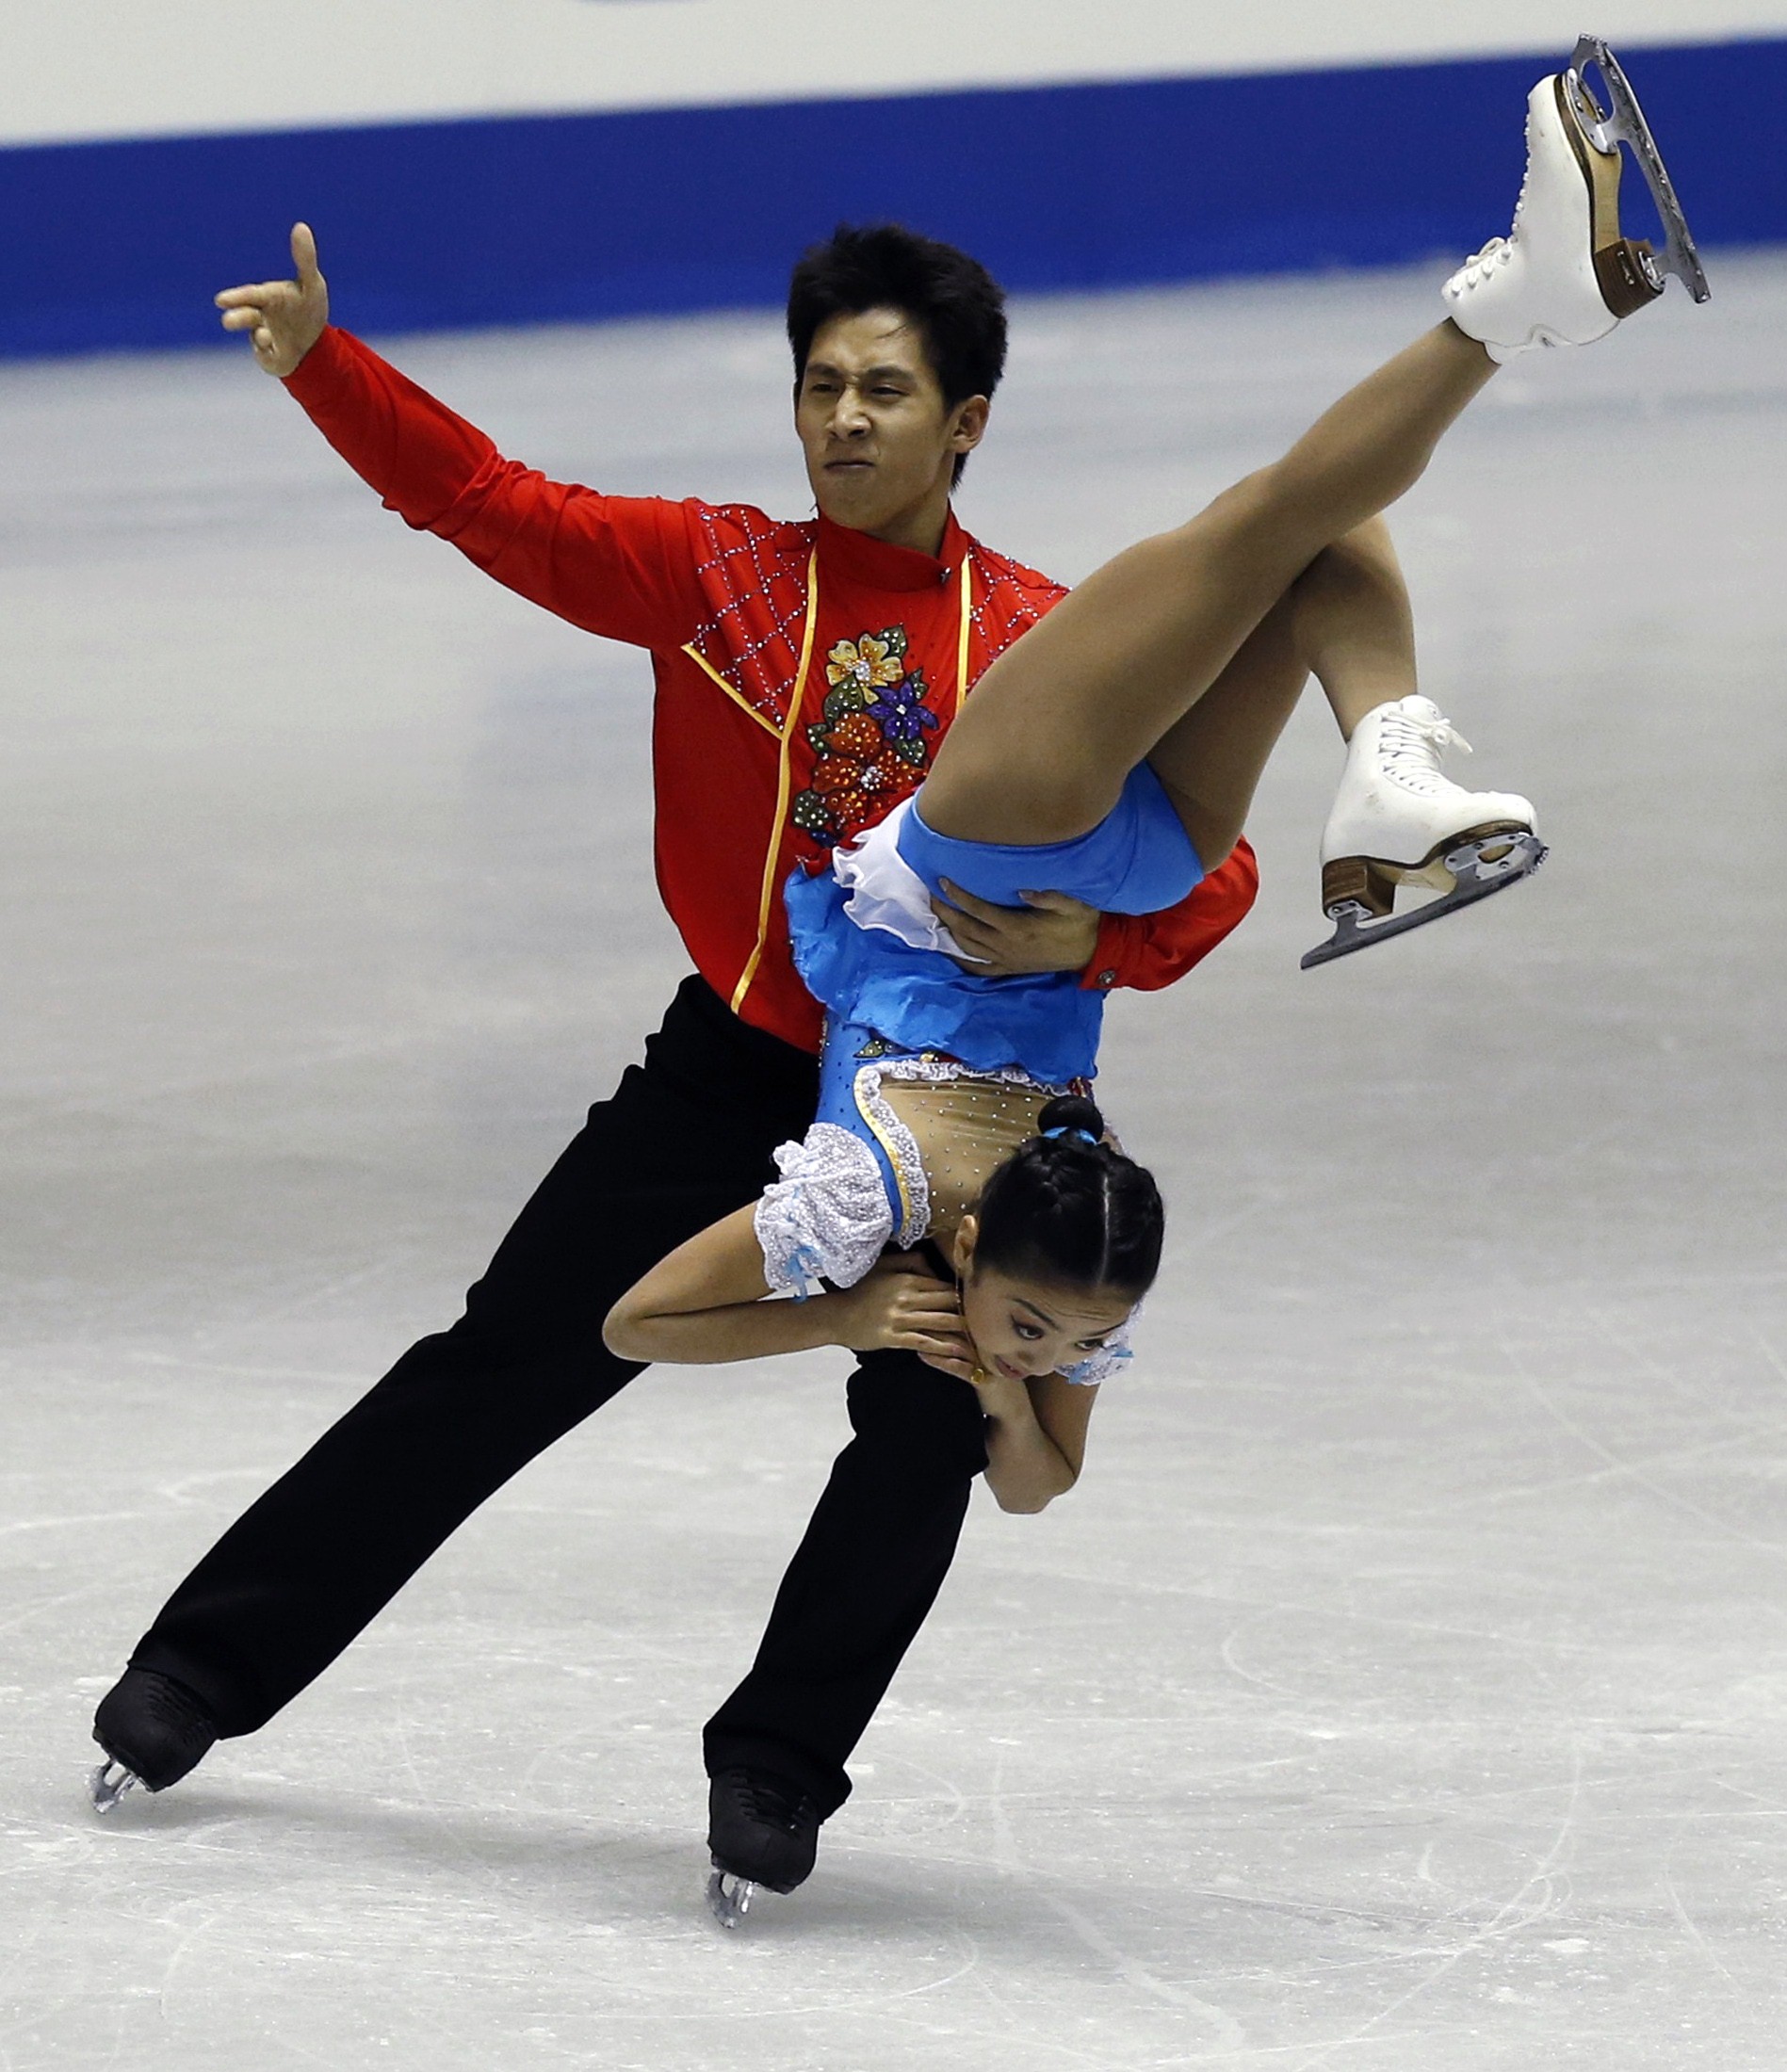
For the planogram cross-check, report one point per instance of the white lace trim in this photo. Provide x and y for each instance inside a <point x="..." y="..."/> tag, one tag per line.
<point x="899" y="1142"/>
<point x="927" y="1065"/>
<point x="827" y="1217"/>
<point x="1110" y="1358"/>
<point x="902" y="1151"/>
<point x="887" y="893"/>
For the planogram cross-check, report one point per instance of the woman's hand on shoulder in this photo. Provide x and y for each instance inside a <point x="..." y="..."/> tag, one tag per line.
<point x="901" y="1304"/>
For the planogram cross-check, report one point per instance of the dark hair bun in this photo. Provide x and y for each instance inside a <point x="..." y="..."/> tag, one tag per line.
<point x="1071" y="1113"/>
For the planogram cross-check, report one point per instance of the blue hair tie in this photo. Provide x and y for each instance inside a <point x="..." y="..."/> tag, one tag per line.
<point x="1071" y="1129"/>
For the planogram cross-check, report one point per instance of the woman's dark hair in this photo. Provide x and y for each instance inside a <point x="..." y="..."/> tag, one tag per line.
<point x="1068" y="1208"/>
<point x="958" y="304"/>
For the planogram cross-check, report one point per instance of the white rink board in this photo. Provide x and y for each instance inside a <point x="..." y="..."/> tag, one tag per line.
<point x="88" y="69"/>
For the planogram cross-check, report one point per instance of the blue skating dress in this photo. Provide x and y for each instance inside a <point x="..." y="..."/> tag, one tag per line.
<point x="900" y="1007"/>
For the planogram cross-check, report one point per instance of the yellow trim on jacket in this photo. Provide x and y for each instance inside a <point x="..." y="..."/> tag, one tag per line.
<point x="796" y="703"/>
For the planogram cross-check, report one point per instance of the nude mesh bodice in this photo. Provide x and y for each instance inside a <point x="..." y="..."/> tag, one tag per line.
<point x="964" y="1129"/>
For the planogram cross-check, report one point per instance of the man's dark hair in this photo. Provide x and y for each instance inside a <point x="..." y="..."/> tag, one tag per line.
<point x="957" y="303"/>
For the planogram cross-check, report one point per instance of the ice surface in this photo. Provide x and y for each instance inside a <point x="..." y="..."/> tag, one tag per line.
<point x="1403" y="1687"/>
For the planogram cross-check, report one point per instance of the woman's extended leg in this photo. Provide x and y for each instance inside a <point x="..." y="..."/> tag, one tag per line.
<point x="1345" y="621"/>
<point x="1043" y="747"/>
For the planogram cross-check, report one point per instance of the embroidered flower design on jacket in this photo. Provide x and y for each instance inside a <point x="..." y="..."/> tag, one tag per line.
<point x="870" y="739"/>
<point x="868" y="662"/>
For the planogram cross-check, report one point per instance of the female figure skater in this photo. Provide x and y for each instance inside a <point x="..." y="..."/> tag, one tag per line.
<point x="1111" y="753"/>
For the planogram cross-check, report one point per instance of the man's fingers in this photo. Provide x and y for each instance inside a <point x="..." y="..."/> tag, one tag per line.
<point x="305" y="257"/>
<point x="242" y="316"/>
<point x="983" y="910"/>
<point x="971" y="937"/>
<point x="257" y="292"/>
<point x="1054" y="902"/>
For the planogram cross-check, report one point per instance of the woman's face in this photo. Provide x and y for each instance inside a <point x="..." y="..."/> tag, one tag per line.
<point x="1022" y="1327"/>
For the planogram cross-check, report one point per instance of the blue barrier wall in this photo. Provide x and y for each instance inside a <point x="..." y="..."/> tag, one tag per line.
<point x="498" y="220"/>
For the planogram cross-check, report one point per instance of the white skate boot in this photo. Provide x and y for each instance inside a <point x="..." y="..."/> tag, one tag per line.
<point x="1398" y="819"/>
<point x="1565" y="274"/>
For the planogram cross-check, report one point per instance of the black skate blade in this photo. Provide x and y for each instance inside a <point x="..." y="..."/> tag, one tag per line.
<point x="729" y="1898"/>
<point x="1474" y="880"/>
<point x="105" y="1790"/>
<point x="1626" y="123"/>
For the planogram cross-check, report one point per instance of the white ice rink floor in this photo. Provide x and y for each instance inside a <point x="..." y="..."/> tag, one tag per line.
<point x="1403" y="1687"/>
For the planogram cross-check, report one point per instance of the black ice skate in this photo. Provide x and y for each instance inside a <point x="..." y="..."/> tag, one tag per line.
<point x="153" y="1730"/>
<point x="761" y="1832"/>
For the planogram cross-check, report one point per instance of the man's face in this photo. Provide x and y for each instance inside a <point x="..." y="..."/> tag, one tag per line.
<point x="879" y="442"/>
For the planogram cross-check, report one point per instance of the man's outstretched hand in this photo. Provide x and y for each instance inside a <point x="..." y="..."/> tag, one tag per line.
<point x="283" y="318"/>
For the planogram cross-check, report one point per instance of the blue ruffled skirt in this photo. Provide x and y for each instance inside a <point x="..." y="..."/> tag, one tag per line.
<point x="1138" y="860"/>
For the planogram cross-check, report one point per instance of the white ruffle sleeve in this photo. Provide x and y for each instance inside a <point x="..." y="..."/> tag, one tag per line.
<point x="1110" y="1358"/>
<point x="827" y="1217"/>
<point x="887" y="893"/>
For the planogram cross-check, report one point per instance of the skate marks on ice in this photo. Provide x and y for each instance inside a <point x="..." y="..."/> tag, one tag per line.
<point x="1402" y="1687"/>
<point x="1646" y="1473"/>
<point x="1224" y="2031"/>
<point x="1543" y="1892"/>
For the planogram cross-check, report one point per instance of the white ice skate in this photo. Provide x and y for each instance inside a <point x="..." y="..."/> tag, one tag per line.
<point x="1565" y="274"/>
<point x="1399" y="820"/>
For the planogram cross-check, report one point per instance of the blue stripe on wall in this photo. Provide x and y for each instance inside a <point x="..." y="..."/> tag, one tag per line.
<point x="433" y="226"/>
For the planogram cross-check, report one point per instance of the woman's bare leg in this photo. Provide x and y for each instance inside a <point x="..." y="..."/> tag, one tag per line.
<point x="1345" y="621"/>
<point x="1042" y="749"/>
<point x="1357" y="625"/>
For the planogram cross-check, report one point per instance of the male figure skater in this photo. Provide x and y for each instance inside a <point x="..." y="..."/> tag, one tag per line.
<point x="804" y="675"/>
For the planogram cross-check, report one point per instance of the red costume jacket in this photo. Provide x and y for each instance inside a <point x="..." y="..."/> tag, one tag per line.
<point x="805" y="673"/>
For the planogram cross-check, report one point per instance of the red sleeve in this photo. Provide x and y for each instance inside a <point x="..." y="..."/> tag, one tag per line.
<point x="1151" y="950"/>
<point x="621" y="566"/>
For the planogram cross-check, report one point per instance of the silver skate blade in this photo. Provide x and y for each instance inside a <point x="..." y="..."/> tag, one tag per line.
<point x="729" y="1898"/>
<point x="106" y="1790"/>
<point x="1474" y="876"/>
<point x="1626" y="123"/>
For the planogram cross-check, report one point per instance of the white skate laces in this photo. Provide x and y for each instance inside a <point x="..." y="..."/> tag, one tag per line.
<point x="1411" y="738"/>
<point x="1481" y="265"/>
<point x="1398" y="819"/>
<point x="1565" y="275"/>
<point x="1500" y="252"/>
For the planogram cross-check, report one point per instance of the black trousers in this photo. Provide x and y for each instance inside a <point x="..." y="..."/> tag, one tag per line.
<point x="686" y="1138"/>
